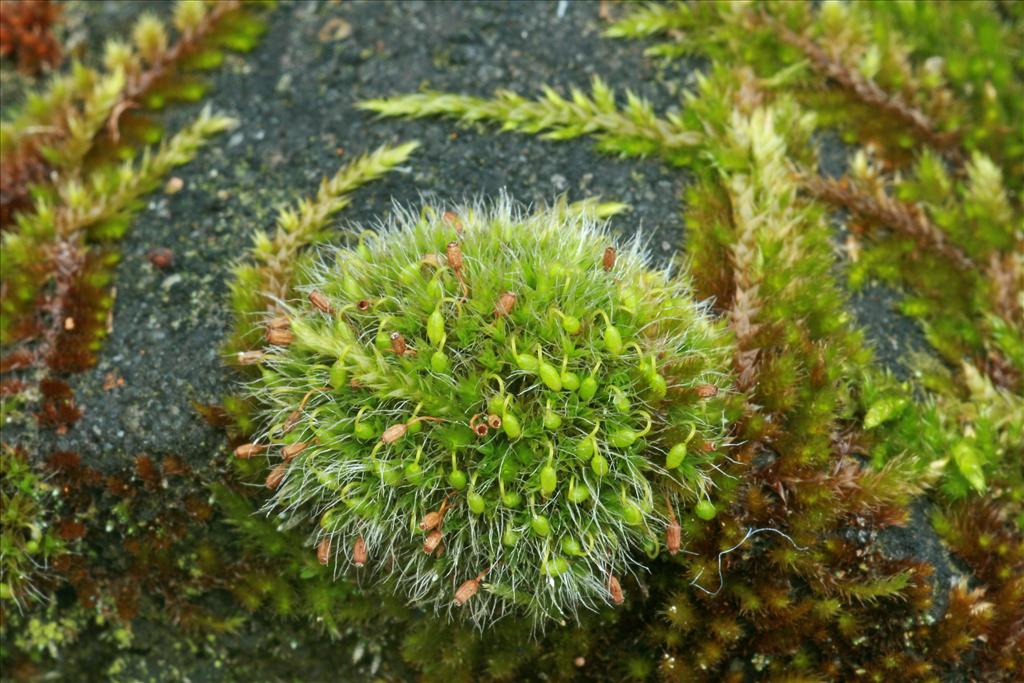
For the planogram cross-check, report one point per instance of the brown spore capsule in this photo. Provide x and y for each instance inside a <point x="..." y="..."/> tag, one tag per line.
<point x="454" y="254"/>
<point x="394" y="433"/>
<point x="398" y="345"/>
<point x="506" y="302"/>
<point x="608" y="261"/>
<point x="280" y="322"/>
<point x="432" y="542"/>
<point x="452" y="219"/>
<point x="280" y="337"/>
<point x="323" y="551"/>
<point x="359" y="552"/>
<point x="706" y="390"/>
<point x="290" y="421"/>
<point x="494" y="421"/>
<point x="276" y="476"/>
<point x="321" y="302"/>
<point x="247" y="450"/>
<point x="615" y="590"/>
<point x="293" y="449"/>
<point x="249" y="357"/>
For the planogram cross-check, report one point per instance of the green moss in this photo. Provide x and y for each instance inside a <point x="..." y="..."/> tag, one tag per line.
<point x="515" y="376"/>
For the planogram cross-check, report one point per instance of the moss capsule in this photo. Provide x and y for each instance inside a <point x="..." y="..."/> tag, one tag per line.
<point x="476" y="503"/>
<point x="548" y="480"/>
<point x="631" y="513"/>
<point x="677" y="453"/>
<point x="510" y="423"/>
<point x="439" y="362"/>
<point x="612" y="337"/>
<point x="540" y="526"/>
<point x="555" y="566"/>
<point x="570" y="546"/>
<point x="675" y="456"/>
<point x="339" y="374"/>
<point x="509" y="538"/>
<point x="588" y="387"/>
<point x="552" y="420"/>
<point x="658" y="386"/>
<point x="413" y="473"/>
<point x="705" y="509"/>
<point x="511" y="499"/>
<point x="577" y="494"/>
<point x="600" y="465"/>
<point x="457" y="479"/>
<point x="435" y="327"/>
<point x="549" y="375"/>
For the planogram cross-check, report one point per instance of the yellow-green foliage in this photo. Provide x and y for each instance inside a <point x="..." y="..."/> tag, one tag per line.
<point x="27" y="543"/>
<point x="551" y="397"/>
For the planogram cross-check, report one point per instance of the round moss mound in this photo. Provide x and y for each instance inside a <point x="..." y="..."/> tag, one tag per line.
<point x="499" y="411"/>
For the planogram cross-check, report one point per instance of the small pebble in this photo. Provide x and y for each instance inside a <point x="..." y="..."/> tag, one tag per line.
<point x="174" y="185"/>
<point x="161" y="257"/>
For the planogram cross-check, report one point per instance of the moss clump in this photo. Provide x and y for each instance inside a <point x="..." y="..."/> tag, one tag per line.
<point x="500" y="410"/>
<point x="26" y="542"/>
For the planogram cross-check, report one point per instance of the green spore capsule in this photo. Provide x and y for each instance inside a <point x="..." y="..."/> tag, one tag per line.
<point x="588" y="387"/>
<point x="476" y="503"/>
<point x="526" y="362"/>
<point x="677" y="453"/>
<point x="626" y="437"/>
<point x="511" y="499"/>
<point x="612" y="337"/>
<point x="457" y="479"/>
<point x="487" y="365"/>
<point x="439" y="362"/>
<point x="632" y="514"/>
<point x="577" y="494"/>
<point x="623" y="438"/>
<point x="705" y="509"/>
<point x="570" y="546"/>
<point x="351" y="288"/>
<point x="510" y="424"/>
<point x="435" y="327"/>
<point x="570" y="380"/>
<point x="658" y="386"/>
<point x="555" y="566"/>
<point x="365" y="431"/>
<point x="338" y="374"/>
<point x="540" y="526"/>
<point x="675" y="456"/>
<point x="570" y="323"/>
<point x="552" y="420"/>
<point x="413" y="473"/>
<point x="391" y="476"/>
<point x="549" y="375"/>
<point x="619" y="400"/>
<point x="548" y="480"/>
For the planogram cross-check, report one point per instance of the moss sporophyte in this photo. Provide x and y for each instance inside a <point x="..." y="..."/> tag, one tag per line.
<point x="502" y="410"/>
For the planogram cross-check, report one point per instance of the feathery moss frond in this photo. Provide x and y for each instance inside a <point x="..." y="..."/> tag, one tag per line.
<point x="271" y="278"/>
<point x="632" y="130"/>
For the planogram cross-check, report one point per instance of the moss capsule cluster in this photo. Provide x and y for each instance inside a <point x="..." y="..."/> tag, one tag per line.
<point x="500" y="410"/>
